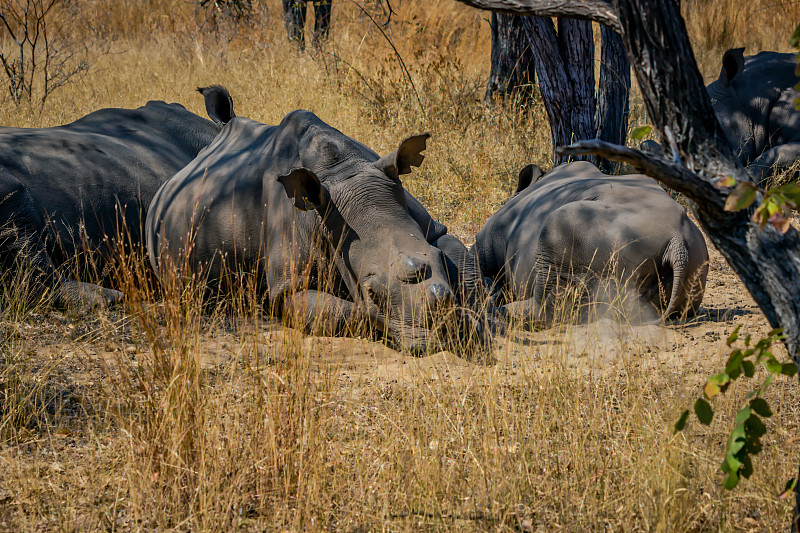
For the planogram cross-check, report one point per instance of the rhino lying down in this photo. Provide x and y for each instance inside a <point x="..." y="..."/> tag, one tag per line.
<point x="68" y="189"/>
<point x="323" y="219"/>
<point x="753" y="99"/>
<point x="577" y="228"/>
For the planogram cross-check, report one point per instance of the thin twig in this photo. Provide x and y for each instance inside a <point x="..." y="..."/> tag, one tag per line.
<point x="396" y="53"/>
<point x="672" y="174"/>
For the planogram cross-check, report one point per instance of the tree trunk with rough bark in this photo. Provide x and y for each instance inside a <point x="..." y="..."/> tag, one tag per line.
<point x="294" y="16"/>
<point x="614" y="87"/>
<point x="564" y="61"/>
<point x="512" y="71"/>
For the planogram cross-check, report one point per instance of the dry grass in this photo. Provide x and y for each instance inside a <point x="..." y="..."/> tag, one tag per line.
<point x="173" y="415"/>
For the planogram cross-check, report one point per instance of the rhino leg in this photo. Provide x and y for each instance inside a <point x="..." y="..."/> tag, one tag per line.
<point x="320" y="313"/>
<point x="774" y="161"/>
<point x="22" y="236"/>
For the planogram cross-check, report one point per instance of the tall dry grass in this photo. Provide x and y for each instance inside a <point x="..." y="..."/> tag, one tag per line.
<point x="175" y="414"/>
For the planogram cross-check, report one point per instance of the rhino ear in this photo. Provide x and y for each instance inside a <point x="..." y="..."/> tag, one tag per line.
<point x="219" y="104"/>
<point x="651" y="147"/>
<point x="732" y="65"/>
<point x="528" y="175"/>
<point x="304" y="188"/>
<point x="407" y="155"/>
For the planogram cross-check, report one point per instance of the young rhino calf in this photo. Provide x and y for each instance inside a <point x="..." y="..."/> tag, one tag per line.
<point x="576" y="228"/>
<point x="321" y="216"/>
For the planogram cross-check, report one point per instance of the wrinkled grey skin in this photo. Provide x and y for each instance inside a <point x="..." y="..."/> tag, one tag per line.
<point x="69" y="189"/>
<point x="576" y="226"/>
<point x="300" y="199"/>
<point x="753" y="99"/>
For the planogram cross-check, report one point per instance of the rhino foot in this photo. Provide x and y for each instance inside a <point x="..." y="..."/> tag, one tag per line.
<point x="86" y="297"/>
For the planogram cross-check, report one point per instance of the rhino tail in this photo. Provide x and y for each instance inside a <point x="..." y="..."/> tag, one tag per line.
<point x="676" y="256"/>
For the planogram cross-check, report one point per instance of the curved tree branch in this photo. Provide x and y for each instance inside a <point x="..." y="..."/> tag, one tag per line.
<point x="596" y="10"/>
<point x="673" y="175"/>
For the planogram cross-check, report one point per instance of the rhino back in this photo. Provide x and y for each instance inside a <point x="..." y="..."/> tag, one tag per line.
<point x="576" y="200"/>
<point x="80" y="171"/>
<point x="216" y="201"/>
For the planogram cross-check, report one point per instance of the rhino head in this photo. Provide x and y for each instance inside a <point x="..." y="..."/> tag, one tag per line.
<point x="381" y="253"/>
<point x="741" y="106"/>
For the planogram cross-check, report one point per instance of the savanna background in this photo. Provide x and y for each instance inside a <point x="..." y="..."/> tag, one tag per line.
<point x="171" y="414"/>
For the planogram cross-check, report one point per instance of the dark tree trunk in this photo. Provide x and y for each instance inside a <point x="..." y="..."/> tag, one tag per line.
<point x="613" y="90"/>
<point x="294" y="16"/>
<point x="322" y="19"/>
<point x="512" y="69"/>
<point x="564" y="62"/>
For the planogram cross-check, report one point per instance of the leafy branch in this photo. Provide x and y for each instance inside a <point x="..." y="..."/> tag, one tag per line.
<point x="775" y="206"/>
<point x="745" y="438"/>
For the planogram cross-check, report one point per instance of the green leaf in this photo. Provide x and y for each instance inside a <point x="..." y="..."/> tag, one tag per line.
<point x="734" y="362"/>
<point x="741" y="197"/>
<point x="788" y="489"/>
<point x="761" y="407"/>
<point x="681" y="423"/>
<point x="703" y="411"/>
<point x="736" y="439"/>
<point x="788" y="369"/>
<point x="755" y="428"/>
<point x="777" y="332"/>
<point x="743" y="414"/>
<point x="715" y="384"/>
<point x="749" y="368"/>
<point x="731" y="480"/>
<point x="640" y="132"/>
<point x="794" y="40"/>
<point x="747" y="467"/>
<point x="753" y="447"/>
<point x="773" y="365"/>
<point x="733" y="336"/>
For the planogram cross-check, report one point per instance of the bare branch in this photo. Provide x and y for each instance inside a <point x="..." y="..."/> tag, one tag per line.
<point x="674" y="175"/>
<point x="46" y="55"/>
<point x="596" y="10"/>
